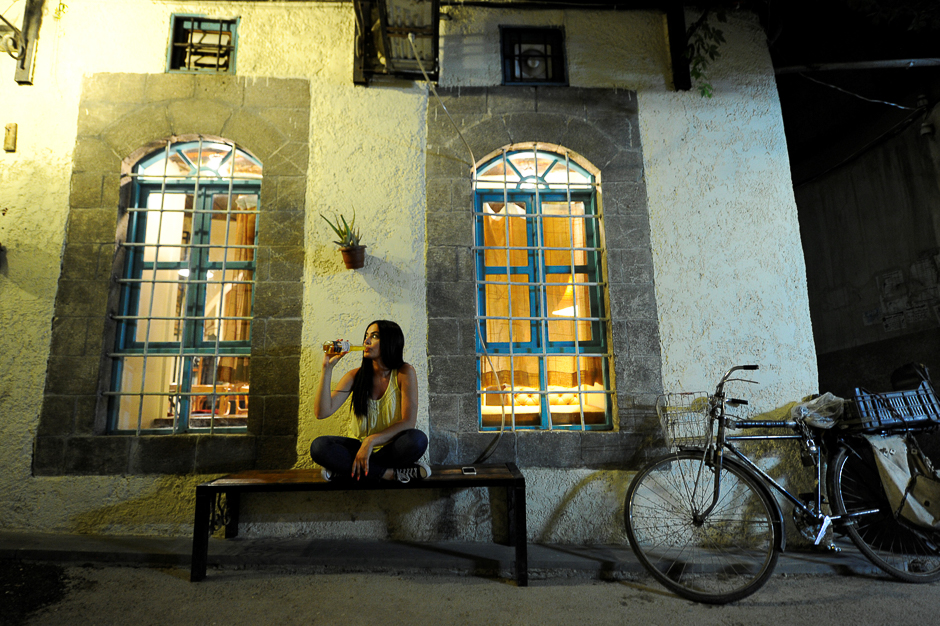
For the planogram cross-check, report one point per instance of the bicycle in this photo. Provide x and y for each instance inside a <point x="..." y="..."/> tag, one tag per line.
<point x="703" y="521"/>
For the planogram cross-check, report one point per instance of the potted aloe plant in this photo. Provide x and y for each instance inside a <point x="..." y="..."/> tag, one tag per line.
<point x="353" y="252"/>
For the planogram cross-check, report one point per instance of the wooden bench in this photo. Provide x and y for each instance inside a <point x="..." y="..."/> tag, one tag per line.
<point x="212" y="512"/>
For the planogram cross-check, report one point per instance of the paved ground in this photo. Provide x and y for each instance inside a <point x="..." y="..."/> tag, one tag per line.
<point x="78" y="580"/>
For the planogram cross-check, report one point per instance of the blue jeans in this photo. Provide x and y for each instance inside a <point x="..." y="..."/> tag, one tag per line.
<point x="337" y="453"/>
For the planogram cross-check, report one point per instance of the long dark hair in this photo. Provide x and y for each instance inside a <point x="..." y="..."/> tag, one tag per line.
<point x="391" y="348"/>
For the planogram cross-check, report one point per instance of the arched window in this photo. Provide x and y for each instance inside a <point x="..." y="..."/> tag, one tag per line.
<point x="541" y="296"/>
<point x="183" y="339"/>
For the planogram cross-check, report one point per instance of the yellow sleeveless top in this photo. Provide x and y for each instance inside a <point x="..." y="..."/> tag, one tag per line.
<point x="382" y="413"/>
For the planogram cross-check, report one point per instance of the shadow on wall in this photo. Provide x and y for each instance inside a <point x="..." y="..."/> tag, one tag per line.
<point x="171" y="500"/>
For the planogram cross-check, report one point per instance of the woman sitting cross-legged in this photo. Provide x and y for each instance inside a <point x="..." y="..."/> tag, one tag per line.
<point x="384" y="393"/>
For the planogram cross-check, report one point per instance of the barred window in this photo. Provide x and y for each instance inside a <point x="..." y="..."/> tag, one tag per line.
<point x="182" y="348"/>
<point x="541" y="298"/>
<point x="199" y="44"/>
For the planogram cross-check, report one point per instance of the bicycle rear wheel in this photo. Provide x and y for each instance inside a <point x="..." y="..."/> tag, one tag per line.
<point x="724" y="557"/>
<point x="909" y="554"/>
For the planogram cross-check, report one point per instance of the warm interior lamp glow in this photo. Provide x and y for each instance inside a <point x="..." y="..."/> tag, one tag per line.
<point x="566" y="299"/>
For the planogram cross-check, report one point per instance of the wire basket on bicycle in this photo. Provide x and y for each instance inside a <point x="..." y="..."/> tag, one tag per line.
<point x="685" y="419"/>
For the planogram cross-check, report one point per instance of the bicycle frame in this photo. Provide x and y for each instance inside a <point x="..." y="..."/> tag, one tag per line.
<point x="801" y="432"/>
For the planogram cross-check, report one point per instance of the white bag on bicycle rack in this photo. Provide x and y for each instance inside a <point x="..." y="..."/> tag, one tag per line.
<point x="909" y="479"/>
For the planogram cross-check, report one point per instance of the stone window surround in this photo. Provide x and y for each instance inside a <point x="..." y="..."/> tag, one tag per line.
<point x="134" y="114"/>
<point x="601" y="126"/>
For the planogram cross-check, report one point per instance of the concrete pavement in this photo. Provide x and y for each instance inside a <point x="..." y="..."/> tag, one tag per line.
<point x="349" y="556"/>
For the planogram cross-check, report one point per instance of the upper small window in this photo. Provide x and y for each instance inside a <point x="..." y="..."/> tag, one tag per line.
<point x="533" y="56"/>
<point x="199" y="44"/>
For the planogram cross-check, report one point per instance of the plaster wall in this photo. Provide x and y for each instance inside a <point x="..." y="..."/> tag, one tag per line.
<point x="729" y="274"/>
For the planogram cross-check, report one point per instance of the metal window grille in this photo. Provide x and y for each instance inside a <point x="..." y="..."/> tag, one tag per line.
<point x="533" y="56"/>
<point x="542" y="325"/>
<point x="181" y="359"/>
<point x="202" y="45"/>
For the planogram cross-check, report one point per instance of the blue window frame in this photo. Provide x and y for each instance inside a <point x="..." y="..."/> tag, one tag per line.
<point x="183" y="339"/>
<point x="541" y="297"/>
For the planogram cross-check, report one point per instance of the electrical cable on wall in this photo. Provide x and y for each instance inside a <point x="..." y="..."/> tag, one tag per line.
<point x="491" y="447"/>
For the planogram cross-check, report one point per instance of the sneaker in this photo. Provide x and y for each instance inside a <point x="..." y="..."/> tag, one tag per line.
<point x="326" y="474"/>
<point x="420" y="470"/>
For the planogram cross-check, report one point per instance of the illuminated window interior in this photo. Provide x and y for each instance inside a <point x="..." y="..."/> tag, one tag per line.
<point x="542" y="334"/>
<point x="182" y="352"/>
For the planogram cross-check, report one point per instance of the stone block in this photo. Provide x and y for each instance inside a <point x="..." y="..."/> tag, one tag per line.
<point x="90" y="414"/>
<point x="117" y="88"/>
<point x="634" y="267"/>
<point x="593" y="143"/>
<point x="48" y="456"/>
<point x="257" y="135"/>
<point x="568" y="101"/>
<point x="471" y="445"/>
<point x="638" y="374"/>
<point x="281" y="228"/>
<point x="626" y="165"/>
<point x="95" y="118"/>
<point x="275" y="376"/>
<point x="442" y="337"/>
<point x="442" y="263"/>
<point x="461" y="100"/>
<point x="438" y="195"/>
<point x="611" y="450"/>
<point x="282" y="337"/>
<point x="451" y="299"/>
<point x="538" y="127"/>
<point x="468" y="417"/>
<point x="450" y="229"/>
<point x="160" y="87"/>
<point x="643" y="336"/>
<point x="56" y="418"/>
<point x="449" y="374"/>
<point x="94" y="226"/>
<point x="163" y="454"/>
<point x="92" y="155"/>
<point x="446" y="164"/>
<point x="291" y="194"/>
<point x="442" y="412"/>
<point x="223" y="454"/>
<point x="624" y="197"/>
<point x="502" y="100"/>
<point x="68" y="336"/>
<point x="225" y="89"/>
<point x="631" y="230"/>
<point x="442" y="447"/>
<point x="82" y="298"/>
<point x="281" y="264"/>
<point x="208" y="117"/>
<point x="294" y="123"/>
<point x="278" y="300"/>
<point x="138" y="127"/>
<point x="99" y="456"/>
<point x="280" y="415"/>
<point x="71" y="375"/>
<point x="556" y="449"/>
<point x="288" y="159"/>
<point x="632" y="301"/>
<point x="85" y="190"/>
<point x="291" y="93"/>
<point x="276" y="453"/>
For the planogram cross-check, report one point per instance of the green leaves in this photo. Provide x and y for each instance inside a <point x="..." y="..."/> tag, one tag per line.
<point x="346" y="231"/>
<point x="702" y="49"/>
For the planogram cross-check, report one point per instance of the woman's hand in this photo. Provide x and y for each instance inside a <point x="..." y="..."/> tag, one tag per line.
<point x="360" y="467"/>
<point x="329" y="360"/>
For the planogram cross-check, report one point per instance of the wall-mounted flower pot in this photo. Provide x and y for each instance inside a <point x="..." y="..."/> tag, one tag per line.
<point x="354" y="257"/>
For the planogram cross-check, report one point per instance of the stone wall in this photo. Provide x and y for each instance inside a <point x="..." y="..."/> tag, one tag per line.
<point x="601" y="126"/>
<point x="122" y="118"/>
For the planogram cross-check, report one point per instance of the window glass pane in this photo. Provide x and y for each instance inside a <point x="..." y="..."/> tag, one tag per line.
<point x="232" y="229"/>
<point x="228" y="295"/>
<point x="567" y="299"/>
<point x="518" y="380"/>
<point x="574" y="391"/>
<point x="162" y="296"/>
<point x="169" y="227"/>
<point x="502" y="229"/>
<point x="151" y="382"/>
<point x="564" y="232"/>
<point x="498" y="304"/>
<point x="219" y="392"/>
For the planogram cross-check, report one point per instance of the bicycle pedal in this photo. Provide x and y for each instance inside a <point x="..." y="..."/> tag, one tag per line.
<point x="829" y="547"/>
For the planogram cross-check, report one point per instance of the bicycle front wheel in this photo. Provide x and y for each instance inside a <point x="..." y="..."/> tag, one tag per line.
<point x="721" y="557"/>
<point x="909" y="554"/>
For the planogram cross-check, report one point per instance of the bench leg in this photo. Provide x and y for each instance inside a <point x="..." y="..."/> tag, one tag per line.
<point x="200" y="555"/>
<point x="517" y="532"/>
<point x="232" y="502"/>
